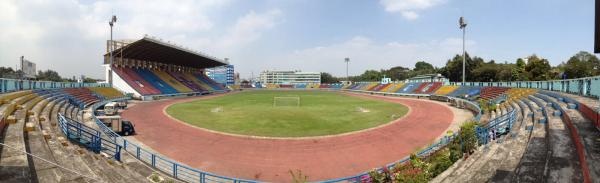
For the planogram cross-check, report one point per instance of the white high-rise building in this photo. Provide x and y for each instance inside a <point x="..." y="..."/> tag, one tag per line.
<point x="289" y="77"/>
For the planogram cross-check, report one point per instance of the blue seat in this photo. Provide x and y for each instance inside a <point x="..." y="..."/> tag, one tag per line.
<point x="161" y="85"/>
<point x="408" y="88"/>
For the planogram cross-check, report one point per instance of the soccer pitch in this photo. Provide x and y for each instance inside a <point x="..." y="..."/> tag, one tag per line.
<point x="318" y="113"/>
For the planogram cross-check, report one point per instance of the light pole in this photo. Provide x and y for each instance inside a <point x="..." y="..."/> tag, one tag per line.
<point x="347" y="60"/>
<point x="112" y="22"/>
<point x="463" y="26"/>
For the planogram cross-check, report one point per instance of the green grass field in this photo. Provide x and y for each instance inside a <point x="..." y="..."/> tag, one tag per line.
<point x="320" y="113"/>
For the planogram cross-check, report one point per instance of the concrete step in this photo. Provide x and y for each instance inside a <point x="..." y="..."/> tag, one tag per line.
<point x="587" y="133"/>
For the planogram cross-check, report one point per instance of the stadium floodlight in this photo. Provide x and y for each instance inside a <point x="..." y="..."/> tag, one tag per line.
<point x="463" y="25"/>
<point x="347" y="60"/>
<point x="112" y="22"/>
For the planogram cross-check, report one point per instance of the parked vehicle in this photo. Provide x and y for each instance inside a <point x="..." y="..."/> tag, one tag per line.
<point x="121" y="127"/>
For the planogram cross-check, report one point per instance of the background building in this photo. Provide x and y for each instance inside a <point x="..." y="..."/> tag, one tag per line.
<point x="223" y="74"/>
<point x="290" y="77"/>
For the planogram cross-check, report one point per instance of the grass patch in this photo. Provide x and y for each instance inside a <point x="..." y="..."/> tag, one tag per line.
<point x="320" y="113"/>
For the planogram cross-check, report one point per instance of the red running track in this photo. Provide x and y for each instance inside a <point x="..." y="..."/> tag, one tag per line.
<point x="271" y="159"/>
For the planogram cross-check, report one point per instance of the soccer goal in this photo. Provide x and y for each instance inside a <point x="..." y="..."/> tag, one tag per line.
<point x="289" y="101"/>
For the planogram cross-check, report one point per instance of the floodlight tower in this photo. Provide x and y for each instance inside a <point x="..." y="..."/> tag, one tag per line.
<point x="112" y="22"/>
<point x="347" y="60"/>
<point x="463" y="26"/>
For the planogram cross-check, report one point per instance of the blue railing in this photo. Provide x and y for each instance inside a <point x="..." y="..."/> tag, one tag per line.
<point x="498" y="126"/>
<point x="425" y="152"/>
<point x="88" y="137"/>
<point x="165" y="165"/>
<point x="11" y="85"/>
<point x="589" y="86"/>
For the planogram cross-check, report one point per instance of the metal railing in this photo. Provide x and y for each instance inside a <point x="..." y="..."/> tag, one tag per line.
<point x="11" y="85"/>
<point x="87" y="137"/>
<point x="165" y="165"/>
<point x="589" y="86"/>
<point x="500" y="125"/>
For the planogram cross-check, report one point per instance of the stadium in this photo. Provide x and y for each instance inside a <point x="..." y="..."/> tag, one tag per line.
<point x="159" y="115"/>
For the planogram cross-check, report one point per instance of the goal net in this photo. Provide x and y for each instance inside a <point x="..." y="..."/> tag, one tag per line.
<point x="286" y="101"/>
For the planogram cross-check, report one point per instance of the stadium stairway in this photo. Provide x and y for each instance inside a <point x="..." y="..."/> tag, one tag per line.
<point x="587" y="133"/>
<point x="14" y="165"/>
<point x="538" y="148"/>
<point x="532" y="164"/>
<point x="107" y="168"/>
<point x="35" y="131"/>
<point x="483" y="162"/>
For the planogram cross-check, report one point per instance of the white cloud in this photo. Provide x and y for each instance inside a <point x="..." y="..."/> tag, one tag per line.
<point x="69" y="36"/>
<point x="410" y="15"/>
<point x="408" y="8"/>
<point x="249" y="28"/>
<point x="364" y="53"/>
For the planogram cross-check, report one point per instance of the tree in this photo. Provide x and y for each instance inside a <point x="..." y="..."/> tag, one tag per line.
<point x="453" y="68"/>
<point x="328" y="78"/>
<point x="398" y="73"/>
<point x="582" y="64"/>
<point x="7" y="72"/>
<point x="48" y="75"/>
<point x="537" y="68"/>
<point x="423" y="66"/>
<point x="519" y="72"/>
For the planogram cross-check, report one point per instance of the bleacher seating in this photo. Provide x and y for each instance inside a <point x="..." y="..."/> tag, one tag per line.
<point x="174" y="83"/>
<point x="202" y="77"/>
<point x="35" y="131"/>
<point x="379" y="87"/>
<point x="444" y="90"/>
<point x="324" y="86"/>
<point x="286" y="86"/>
<point x="134" y="80"/>
<point x="108" y="93"/>
<point x="428" y="87"/>
<point x="463" y="91"/>
<point x="489" y="93"/>
<point x="81" y="97"/>
<point x="393" y="87"/>
<point x="408" y="88"/>
<point x="155" y="81"/>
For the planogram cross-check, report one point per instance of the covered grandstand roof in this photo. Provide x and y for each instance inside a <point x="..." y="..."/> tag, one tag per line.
<point x="154" y="50"/>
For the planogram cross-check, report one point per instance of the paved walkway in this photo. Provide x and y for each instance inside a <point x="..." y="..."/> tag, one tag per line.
<point x="271" y="159"/>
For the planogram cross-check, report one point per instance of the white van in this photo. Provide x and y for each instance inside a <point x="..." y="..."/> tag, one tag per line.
<point x="111" y="109"/>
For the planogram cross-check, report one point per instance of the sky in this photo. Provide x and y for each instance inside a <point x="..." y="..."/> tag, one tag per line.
<point x="69" y="36"/>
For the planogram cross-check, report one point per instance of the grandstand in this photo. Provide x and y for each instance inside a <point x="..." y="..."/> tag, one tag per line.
<point x="154" y="75"/>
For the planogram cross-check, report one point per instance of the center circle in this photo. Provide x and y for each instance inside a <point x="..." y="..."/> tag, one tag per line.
<point x="280" y="113"/>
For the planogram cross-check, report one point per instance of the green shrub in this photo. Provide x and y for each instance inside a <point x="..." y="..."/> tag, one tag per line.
<point x="455" y="151"/>
<point x="439" y="162"/>
<point x="380" y="177"/>
<point x="468" y="136"/>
